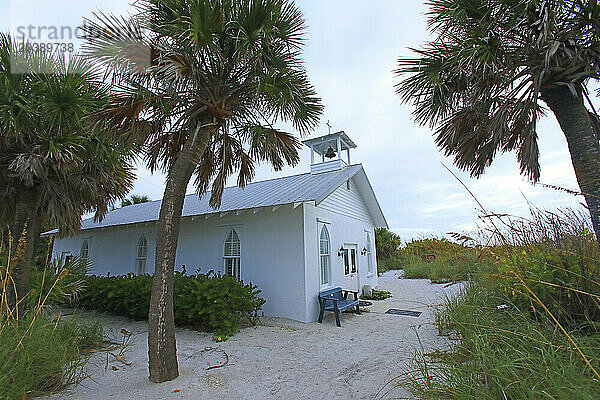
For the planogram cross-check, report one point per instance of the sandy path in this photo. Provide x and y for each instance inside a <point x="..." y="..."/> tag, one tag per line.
<point x="283" y="359"/>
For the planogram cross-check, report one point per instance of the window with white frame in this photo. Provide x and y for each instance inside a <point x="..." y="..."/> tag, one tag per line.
<point x="141" y="256"/>
<point x="85" y="250"/>
<point x="231" y="255"/>
<point x="325" y="256"/>
<point x="368" y="254"/>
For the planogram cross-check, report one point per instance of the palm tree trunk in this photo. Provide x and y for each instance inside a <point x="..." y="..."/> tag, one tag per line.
<point x="162" y="351"/>
<point x="572" y="115"/>
<point x="23" y="265"/>
<point x="17" y="227"/>
<point x="37" y="241"/>
<point x="16" y="232"/>
<point x="23" y="231"/>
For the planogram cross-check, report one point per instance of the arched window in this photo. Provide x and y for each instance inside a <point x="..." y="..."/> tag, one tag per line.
<point x="324" y="254"/>
<point x="85" y="250"/>
<point x="368" y="254"/>
<point x="142" y="254"/>
<point x="231" y="254"/>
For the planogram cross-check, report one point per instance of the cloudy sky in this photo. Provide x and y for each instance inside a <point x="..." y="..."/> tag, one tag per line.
<point x="351" y="50"/>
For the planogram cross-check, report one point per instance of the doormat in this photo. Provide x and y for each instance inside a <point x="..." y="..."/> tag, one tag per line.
<point x="409" y="313"/>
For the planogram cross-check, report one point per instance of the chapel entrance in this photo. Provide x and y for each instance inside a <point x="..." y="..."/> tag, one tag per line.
<point x="350" y="264"/>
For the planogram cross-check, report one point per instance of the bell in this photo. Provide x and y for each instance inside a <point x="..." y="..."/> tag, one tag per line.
<point x="330" y="153"/>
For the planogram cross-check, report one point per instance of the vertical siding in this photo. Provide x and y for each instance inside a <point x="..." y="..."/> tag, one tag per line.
<point x="347" y="202"/>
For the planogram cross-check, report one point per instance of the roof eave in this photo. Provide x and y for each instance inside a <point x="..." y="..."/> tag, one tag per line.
<point x="52" y="232"/>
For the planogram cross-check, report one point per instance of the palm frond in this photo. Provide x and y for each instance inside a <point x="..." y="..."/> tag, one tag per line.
<point x="479" y="82"/>
<point x="226" y="72"/>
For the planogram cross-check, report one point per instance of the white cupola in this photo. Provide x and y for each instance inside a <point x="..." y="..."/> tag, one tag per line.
<point x="329" y="150"/>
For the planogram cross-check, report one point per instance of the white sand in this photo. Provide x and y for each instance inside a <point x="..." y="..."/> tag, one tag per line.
<point x="282" y="359"/>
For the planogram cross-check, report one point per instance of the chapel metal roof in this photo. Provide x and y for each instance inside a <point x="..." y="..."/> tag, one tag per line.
<point x="272" y="192"/>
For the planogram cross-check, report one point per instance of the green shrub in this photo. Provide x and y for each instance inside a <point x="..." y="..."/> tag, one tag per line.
<point x="377" y="295"/>
<point x="216" y="303"/>
<point x="42" y="355"/>
<point x="453" y="261"/>
<point x="387" y="244"/>
<point x="388" y="264"/>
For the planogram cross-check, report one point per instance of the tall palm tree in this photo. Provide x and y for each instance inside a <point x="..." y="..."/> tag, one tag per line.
<point x="483" y="82"/>
<point x="199" y="86"/>
<point x="53" y="166"/>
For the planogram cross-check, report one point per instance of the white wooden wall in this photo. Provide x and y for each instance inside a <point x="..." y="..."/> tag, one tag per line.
<point x="347" y="221"/>
<point x="272" y="255"/>
<point x="347" y="202"/>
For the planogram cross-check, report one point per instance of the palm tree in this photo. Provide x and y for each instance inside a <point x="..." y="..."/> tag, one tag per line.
<point x="53" y="167"/>
<point x="199" y="86"/>
<point x="482" y="83"/>
<point x="134" y="199"/>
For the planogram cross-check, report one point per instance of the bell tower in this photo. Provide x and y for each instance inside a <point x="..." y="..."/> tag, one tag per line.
<point x="329" y="149"/>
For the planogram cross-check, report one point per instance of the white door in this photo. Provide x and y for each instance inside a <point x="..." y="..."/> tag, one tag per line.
<point x="350" y="264"/>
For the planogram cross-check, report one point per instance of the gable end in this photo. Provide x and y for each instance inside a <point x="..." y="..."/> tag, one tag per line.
<point x="347" y="201"/>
